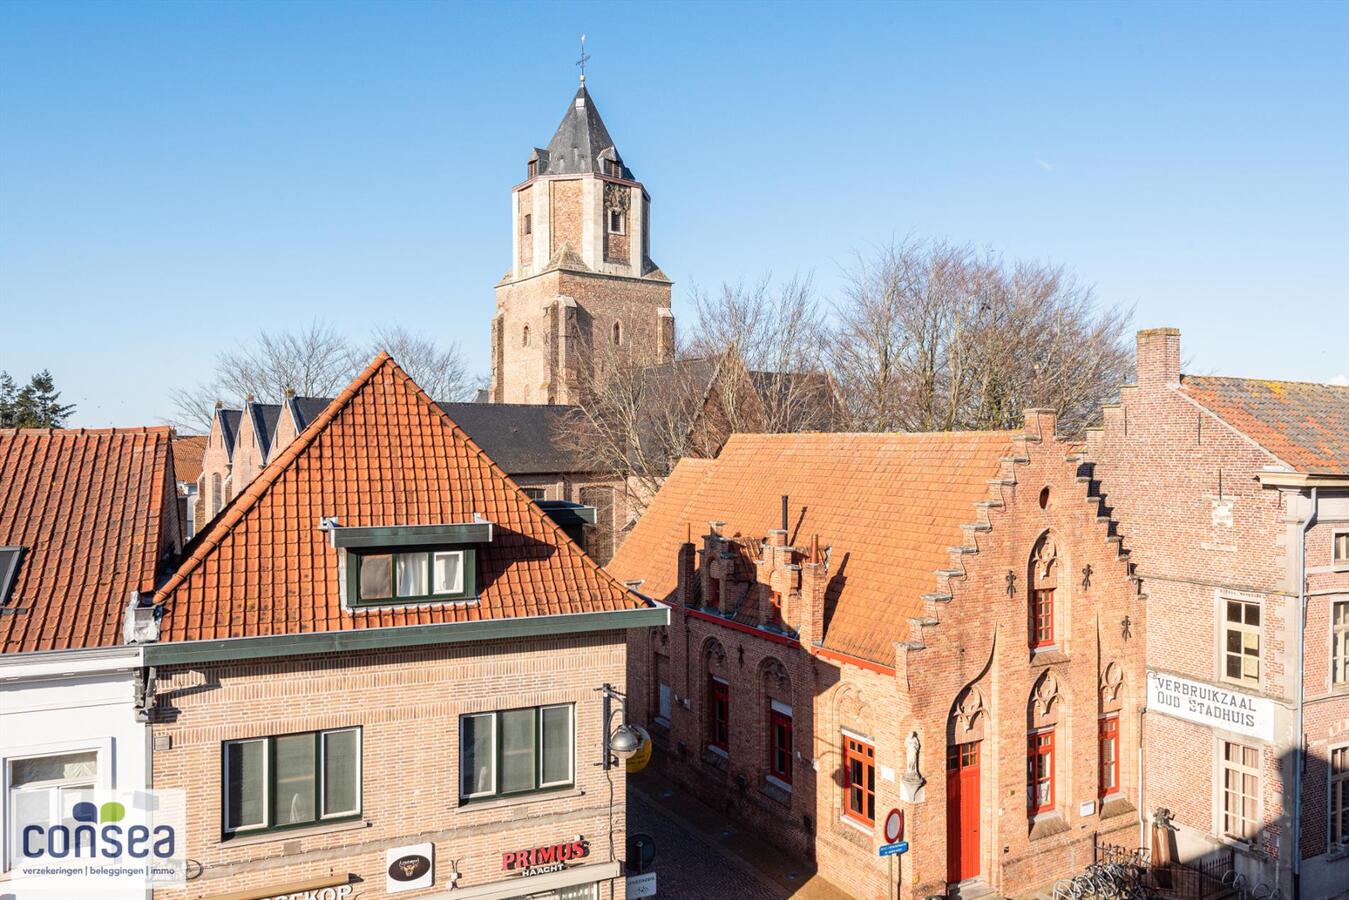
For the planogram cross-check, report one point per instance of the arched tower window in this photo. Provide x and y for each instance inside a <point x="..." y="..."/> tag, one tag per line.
<point x="524" y="337"/>
<point x="618" y="333"/>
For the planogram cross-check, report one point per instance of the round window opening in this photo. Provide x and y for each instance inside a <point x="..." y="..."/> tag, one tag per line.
<point x="1044" y="498"/>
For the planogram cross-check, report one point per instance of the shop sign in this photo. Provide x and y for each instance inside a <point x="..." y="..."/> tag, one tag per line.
<point x="1211" y="705"/>
<point x="332" y="892"/>
<point x="409" y="868"/>
<point x="543" y="860"/>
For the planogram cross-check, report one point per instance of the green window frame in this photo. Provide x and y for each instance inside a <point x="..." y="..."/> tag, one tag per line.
<point x="410" y="575"/>
<point x="516" y="752"/>
<point x="281" y="782"/>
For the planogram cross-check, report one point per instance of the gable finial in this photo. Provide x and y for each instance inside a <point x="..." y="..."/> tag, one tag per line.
<point x="585" y="58"/>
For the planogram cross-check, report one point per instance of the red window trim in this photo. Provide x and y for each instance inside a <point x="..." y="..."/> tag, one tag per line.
<point x="1039" y="744"/>
<point x="1107" y="729"/>
<point x="718" y="714"/>
<point x="865" y="754"/>
<point x="779" y="720"/>
<point x="1042" y="619"/>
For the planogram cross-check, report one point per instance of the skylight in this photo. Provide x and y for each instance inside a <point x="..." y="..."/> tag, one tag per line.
<point x="9" y="569"/>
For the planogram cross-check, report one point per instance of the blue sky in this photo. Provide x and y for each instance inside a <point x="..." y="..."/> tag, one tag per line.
<point x="175" y="176"/>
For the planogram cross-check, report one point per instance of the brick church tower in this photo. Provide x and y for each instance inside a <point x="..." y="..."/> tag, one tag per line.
<point x="582" y="292"/>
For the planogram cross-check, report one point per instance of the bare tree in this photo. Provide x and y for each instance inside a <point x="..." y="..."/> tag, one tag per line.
<point x="314" y="361"/>
<point x="936" y="337"/>
<point x="440" y="370"/>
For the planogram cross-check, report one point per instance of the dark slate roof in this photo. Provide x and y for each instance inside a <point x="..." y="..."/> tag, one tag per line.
<point x="265" y="416"/>
<point x="229" y="428"/>
<point x="521" y="438"/>
<point x="579" y="141"/>
<point x="306" y="409"/>
<point x="1306" y="425"/>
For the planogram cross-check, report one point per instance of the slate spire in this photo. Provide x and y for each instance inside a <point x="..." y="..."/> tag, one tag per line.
<point x="580" y="143"/>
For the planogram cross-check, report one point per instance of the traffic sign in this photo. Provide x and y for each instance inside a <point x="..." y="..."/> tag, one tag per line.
<point x="642" y="885"/>
<point x="894" y="826"/>
<point x="894" y="849"/>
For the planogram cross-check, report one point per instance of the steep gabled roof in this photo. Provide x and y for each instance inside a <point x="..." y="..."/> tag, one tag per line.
<point x="264" y="417"/>
<point x="579" y="141"/>
<point x="521" y="438"/>
<point x="306" y="409"/>
<point x="889" y="507"/>
<point x="188" y="450"/>
<point x="1305" y="425"/>
<point x="92" y="511"/>
<point x="229" y="428"/>
<point x="382" y="453"/>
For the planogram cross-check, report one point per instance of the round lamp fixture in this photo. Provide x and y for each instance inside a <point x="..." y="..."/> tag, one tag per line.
<point x="625" y="742"/>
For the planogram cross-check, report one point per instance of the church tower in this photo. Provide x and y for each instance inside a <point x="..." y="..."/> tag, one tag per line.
<point x="582" y="292"/>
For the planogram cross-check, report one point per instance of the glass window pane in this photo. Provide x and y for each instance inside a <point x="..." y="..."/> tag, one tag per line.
<point x="556" y="745"/>
<point x="1252" y="614"/>
<point x="449" y="573"/>
<point x="63" y="769"/>
<point x="517" y="750"/>
<point x="1233" y="611"/>
<point x="412" y="574"/>
<point x="376" y="583"/>
<point x="477" y="759"/>
<point x="294" y="779"/>
<point x="245" y="784"/>
<point x="341" y="772"/>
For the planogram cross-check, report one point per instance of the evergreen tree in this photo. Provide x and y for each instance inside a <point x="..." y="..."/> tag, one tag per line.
<point x="38" y="405"/>
<point x="8" y="397"/>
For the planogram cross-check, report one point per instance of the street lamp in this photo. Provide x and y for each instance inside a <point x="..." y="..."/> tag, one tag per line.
<point x="623" y="741"/>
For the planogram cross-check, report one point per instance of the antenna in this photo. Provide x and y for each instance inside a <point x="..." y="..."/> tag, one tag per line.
<point x="585" y="58"/>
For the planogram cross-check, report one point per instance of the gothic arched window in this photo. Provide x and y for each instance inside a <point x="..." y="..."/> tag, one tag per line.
<point x="618" y="333"/>
<point x="1042" y="583"/>
<point x="524" y="337"/>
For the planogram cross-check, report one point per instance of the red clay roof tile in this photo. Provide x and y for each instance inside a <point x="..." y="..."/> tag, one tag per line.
<point x="1305" y="425"/>
<point x="887" y="505"/>
<point x="88" y="507"/>
<point x="382" y="453"/>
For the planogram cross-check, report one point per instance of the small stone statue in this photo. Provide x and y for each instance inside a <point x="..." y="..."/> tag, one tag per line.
<point x="911" y="785"/>
<point x="911" y="746"/>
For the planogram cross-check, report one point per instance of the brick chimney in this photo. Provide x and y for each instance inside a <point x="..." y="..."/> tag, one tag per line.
<point x="814" y="582"/>
<point x="686" y="571"/>
<point x="1040" y="423"/>
<point x="1158" y="357"/>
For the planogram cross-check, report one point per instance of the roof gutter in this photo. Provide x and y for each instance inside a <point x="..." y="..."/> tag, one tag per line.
<point x="1300" y="762"/>
<point x="187" y="652"/>
<point x="1301" y="480"/>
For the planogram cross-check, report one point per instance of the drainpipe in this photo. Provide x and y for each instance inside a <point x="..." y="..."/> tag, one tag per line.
<point x="1142" y="816"/>
<point x="1299" y="765"/>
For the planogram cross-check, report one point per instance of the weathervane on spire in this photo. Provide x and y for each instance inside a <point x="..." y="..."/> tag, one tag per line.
<point x="585" y="58"/>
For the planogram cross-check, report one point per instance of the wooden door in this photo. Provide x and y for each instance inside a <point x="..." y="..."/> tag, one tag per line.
<point x="962" y="812"/>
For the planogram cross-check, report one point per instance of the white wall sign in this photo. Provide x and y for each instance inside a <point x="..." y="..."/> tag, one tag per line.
<point x="641" y="885"/>
<point x="409" y="868"/>
<point x="1211" y="705"/>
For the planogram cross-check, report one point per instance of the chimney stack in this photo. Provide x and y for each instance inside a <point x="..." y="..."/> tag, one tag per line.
<point x="1158" y="357"/>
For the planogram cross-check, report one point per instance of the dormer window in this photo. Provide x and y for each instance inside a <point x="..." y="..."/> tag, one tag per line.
<point x="613" y="167"/>
<point x="532" y="167"/>
<point x="617" y="222"/>
<point x="399" y="565"/>
<point x="9" y="570"/>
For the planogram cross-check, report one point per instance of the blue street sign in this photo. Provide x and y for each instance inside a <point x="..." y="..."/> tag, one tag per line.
<point x="894" y="849"/>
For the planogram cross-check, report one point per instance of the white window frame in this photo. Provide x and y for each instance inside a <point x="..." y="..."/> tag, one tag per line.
<point x="1221" y="805"/>
<point x="1339" y="565"/>
<point x="571" y="748"/>
<point x="103" y="779"/>
<point x="1339" y="666"/>
<point x="1223" y="626"/>
<point x="491" y="715"/>
<point x="435" y="557"/>
<point x="231" y="828"/>
<point x="323" y="772"/>
<point x="1343" y="777"/>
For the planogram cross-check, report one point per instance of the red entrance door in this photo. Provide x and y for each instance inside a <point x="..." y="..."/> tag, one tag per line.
<point x="962" y="812"/>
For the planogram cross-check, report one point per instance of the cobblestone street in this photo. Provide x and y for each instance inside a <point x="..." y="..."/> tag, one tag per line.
<point x="700" y="855"/>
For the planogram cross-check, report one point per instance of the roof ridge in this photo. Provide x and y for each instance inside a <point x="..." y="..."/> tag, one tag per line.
<point x="1321" y="384"/>
<point x="75" y="432"/>
<point x="209" y="539"/>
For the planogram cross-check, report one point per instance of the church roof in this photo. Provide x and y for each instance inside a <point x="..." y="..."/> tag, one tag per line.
<point x="579" y="142"/>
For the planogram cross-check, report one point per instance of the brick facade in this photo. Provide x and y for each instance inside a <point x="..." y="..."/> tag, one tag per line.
<point x="407" y="703"/>
<point x="962" y="672"/>
<point x="1200" y="504"/>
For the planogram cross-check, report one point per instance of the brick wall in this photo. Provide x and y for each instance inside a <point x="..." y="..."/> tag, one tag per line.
<point x="408" y="704"/>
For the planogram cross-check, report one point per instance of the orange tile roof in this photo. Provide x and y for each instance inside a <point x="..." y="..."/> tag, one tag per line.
<point x="382" y="453"/>
<point x="888" y="505"/>
<point x="188" y="450"/>
<point x="1305" y="425"/>
<point x="89" y="508"/>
